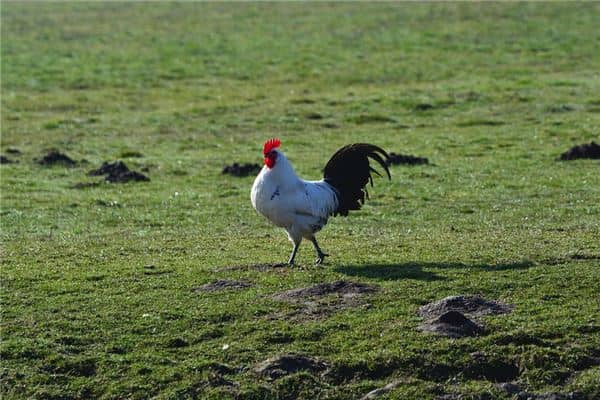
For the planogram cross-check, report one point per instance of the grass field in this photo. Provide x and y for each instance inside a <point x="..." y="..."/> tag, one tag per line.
<point x="98" y="296"/>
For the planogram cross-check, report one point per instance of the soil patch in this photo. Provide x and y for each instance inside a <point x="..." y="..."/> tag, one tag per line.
<point x="588" y="150"/>
<point x="237" y="169"/>
<point x="423" y="107"/>
<point x="380" y="368"/>
<point x="6" y="160"/>
<point x="491" y="367"/>
<point x="286" y="364"/>
<point x="474" y="306"/>
<point x="214" y="378"/>
<point x="449" y="316"/>
<point x="222" y="284"/>
<point x="314" y="115"/>
<point x="322" y="300"/>
<point x="74" y="367"/>
<point x="13" y="151"/>
<point x="118" y="172"/>
<point x="342" y="288"/>
<point x="55" y="157"/>
<point x="396" y="159"/>
<point x="452" y="324"/>
<point x="108" y="168"/>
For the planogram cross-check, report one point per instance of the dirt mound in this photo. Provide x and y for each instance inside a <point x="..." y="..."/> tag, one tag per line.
<point x="6" y="160"/>
<point x="222" y="284"/>
<point x="423" y="107"/>
<point x="118" y="172"/>
<point x="343" y="288"/>
<point x="452" y="324"/>
<point x="107" y="168"/>
<point x="396" y="159"/>
<point x="13" y="150"/>
<point x="449" y="316"/>
<point x="127" y="176"/>
<point x="313" y="115"/>
<point x="588" y="150"/>
<point x="54" y="157"/>
<point x="473" y="306"/>
<point x="320" y="301"/>
<point x="237" y="169"/>
<point x="286" y="364"/>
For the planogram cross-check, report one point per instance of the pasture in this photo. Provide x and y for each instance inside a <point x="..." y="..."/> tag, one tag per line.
<point x="103" y="290"/>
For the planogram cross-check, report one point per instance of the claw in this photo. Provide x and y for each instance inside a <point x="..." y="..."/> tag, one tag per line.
<point x="321" y="258"/>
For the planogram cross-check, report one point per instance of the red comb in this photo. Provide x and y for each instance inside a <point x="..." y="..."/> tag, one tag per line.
<point x="270" y="145"/>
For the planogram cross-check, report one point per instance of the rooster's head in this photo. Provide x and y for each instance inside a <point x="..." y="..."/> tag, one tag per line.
<point x="270" y="153"/>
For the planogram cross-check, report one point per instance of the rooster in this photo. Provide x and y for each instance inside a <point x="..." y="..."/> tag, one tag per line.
<point x="302" y="207"/>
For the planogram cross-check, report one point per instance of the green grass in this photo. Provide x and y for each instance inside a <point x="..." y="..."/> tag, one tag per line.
<point x="193" y="87"/>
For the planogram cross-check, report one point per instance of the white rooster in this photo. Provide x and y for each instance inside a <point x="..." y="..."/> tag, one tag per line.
<point x="302" y="207"/>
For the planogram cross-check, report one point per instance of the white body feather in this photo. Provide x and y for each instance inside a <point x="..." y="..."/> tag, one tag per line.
<point x="300" y="207"/>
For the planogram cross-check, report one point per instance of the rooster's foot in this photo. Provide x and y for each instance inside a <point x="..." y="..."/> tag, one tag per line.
<point x="321" y="258"/>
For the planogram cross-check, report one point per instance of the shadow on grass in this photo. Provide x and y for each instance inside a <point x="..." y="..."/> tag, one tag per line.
<point x="390" y="272"/>
<point x="415" y="270"/>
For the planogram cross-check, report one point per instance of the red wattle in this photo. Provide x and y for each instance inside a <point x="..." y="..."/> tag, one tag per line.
<point x="269" y="162"/>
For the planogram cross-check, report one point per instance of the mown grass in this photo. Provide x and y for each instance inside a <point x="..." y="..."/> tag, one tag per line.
<point x="490" y="93"/>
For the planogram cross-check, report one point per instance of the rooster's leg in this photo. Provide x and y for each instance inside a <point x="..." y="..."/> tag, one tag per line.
<point x="320" y="254"/>
<point x="294" y="251"/>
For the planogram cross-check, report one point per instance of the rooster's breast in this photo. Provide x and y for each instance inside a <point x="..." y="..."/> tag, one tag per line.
<point x="270" y="200"/>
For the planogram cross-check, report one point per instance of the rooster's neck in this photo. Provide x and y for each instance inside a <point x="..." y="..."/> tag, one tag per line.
<point x="282" y="171"/>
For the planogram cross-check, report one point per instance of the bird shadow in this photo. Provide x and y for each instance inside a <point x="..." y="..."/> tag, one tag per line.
<point x="389" y="272"/>
<point x="418" y="270"/>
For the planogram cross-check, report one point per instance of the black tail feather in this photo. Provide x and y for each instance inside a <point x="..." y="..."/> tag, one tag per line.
<point x="348" y="171"/>
<point x="373" y="170"/>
